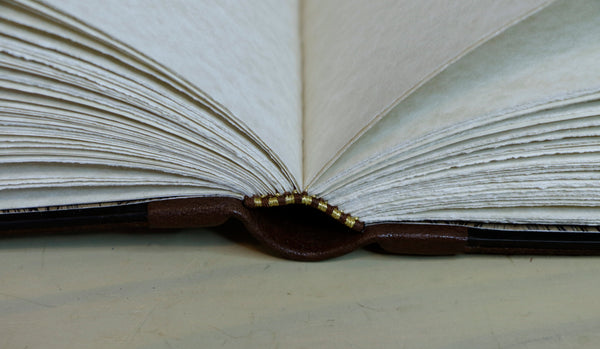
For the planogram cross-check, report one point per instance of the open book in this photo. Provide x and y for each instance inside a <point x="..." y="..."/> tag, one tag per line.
<point x="373" y="112"/>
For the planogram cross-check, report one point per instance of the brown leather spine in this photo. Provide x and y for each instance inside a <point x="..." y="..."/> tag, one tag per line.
<point x="420" y="239"/>
<point x="297" y="232"/>
<point x="192" y="212"/>
<point x="303" y="233"/>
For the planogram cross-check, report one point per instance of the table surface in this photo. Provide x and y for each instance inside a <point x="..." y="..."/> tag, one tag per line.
<point x="207" y="288"/>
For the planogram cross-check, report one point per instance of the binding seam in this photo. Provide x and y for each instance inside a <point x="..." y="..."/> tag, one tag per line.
<point x="296" y="198"/>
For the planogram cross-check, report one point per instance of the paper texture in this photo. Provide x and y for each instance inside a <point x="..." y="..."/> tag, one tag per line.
<point x="363" y="57"/>
<point x="509" y="133"/>
<point x="244" y="55"/>
<point x="544" y="62"/>
<point x="76" y="99"/>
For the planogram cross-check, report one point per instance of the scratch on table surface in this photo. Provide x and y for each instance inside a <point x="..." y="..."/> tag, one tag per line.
<point x="375" y="309"/>
<point x="510" y="259"/>
<point x="43" y="258"/>
<point x="250" y="333"/>
<point x="225" y="333"/>
<point x="7" y="295"/>
<point x="138" y="329"/>
<point x="491" y="328"/>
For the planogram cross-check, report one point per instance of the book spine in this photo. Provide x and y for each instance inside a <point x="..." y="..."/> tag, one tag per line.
<point x="296" y="198"/>
<point x="299" y="231"/>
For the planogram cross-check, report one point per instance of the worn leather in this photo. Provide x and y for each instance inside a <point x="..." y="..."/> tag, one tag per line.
<point x="303" y="233"/>
<point x="295" y="232"/>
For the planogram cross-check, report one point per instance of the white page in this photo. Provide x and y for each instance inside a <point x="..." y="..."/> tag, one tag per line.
<point x="510" y="133"/>
<point x="95" y="65"/>
<point x="363" y="57"/>
<point x="244" y="55"/>
<point x="541" y="63"/>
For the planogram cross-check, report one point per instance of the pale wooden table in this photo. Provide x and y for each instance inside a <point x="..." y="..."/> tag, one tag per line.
<point x="201" y="289"/>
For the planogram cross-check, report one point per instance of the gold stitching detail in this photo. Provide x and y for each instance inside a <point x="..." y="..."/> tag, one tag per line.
<point x="307" y="200"/>
<point x="350" y="221"/>
<point x="336" y="213"/>
<point x="288" y="198"/>
<point x="322" y="206"/>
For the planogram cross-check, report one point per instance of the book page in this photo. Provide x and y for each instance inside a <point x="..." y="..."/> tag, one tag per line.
<point x="362" y="57"/>
<point x="84" y="118"/>
<point x="509" y="133"/>
<point x="540" y="64"/>
<point x="243" y="57"/>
